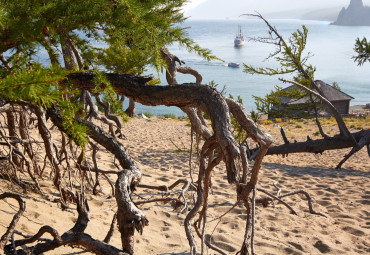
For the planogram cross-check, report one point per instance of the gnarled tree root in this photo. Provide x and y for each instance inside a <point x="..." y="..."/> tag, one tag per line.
<point x="266" y="200"/>
<point x="9" y="232"/>
<point x="74" y="236"/>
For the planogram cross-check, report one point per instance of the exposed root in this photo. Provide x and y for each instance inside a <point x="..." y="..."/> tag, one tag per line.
<point x="74" y="236"/>
<point x="9" y="232"/>
<point x="208" y="243"/>
<point x="266" y="200"/>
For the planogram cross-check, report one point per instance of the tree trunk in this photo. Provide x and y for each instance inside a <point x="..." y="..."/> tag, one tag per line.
<point x="48" y="143"/>
<point x="130" y="111"/>
<point x="13" y="134"/>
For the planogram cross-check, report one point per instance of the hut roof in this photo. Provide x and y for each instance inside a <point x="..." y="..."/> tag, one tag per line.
<point x="331" y="93"/>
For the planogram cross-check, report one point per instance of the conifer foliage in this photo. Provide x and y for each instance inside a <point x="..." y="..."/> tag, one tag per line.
<point x="44" y="46"/>
<point x="362" y="48"/>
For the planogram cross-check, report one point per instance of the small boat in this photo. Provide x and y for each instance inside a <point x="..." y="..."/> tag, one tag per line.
<point x="239" y="39"/>
<point x="233" y="64"/>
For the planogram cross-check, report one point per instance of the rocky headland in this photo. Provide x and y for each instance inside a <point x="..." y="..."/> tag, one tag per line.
<point x="355" y="15"/>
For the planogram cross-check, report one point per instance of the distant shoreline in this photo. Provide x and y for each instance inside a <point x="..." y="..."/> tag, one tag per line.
<point x="359" y="109"/>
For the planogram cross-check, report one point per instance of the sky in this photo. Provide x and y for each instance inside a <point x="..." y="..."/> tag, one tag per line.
<point x="233" y="8"/>
<point x="193" y="3"/>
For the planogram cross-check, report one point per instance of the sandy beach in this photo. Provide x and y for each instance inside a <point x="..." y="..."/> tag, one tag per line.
<point x="161" y="149"/>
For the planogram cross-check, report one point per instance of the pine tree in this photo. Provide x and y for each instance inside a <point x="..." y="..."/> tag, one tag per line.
<point x="362" y="48"/>
<point x="43" y="41"/>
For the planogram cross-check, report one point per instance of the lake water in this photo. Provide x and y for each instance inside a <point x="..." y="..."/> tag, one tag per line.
<point x="331" y="46"/>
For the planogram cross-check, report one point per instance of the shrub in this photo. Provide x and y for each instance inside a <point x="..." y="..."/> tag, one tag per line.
<point x="169" y="116"/>
<point x="148" y="114"/>
<point x="255" y="116"/>
<point x="349" y="119"/>
<point x="266" y="122"/>
<point x="125" y="117"/>
<point x="278" y="120"/>
<point x="298" y="126"/>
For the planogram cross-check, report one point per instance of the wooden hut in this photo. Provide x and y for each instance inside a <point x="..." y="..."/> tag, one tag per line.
<point x="339" y="99"/>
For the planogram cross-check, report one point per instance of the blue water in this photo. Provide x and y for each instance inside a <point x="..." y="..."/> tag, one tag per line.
<point x="331" y="46"/>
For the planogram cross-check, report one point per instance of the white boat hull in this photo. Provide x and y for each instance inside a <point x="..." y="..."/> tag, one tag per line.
<point x="239" y="43"/>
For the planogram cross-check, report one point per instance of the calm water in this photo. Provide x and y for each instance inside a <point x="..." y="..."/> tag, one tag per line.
<point x="332" y="47"/>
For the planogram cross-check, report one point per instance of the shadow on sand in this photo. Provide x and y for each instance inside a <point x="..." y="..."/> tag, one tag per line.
<point x="315" y="171"/>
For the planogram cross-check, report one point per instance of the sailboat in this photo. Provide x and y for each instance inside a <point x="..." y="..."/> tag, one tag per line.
<point x="239" y="39"/>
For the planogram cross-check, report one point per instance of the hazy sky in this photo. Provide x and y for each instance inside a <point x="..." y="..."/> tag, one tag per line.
<point x="231" y="8"/>
<point x="193" y="3"/>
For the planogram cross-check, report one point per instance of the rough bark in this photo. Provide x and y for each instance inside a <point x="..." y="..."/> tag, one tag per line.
<point x="364" y="140"/>
<point x="13" y="134"/>
<point x="186" y="95"/>
<point x="48" y="143"/>
<point x="23" y="131"/>
<point x="129" y="217"/>
<point x="110" y="116"/>
<point x="94" y="111"/>
<point x="13" y="151"/>
<point x="76" y="54"/>
<point x="68" y="56"/>
<point x="197" y="123"/>
<point x="131" y="109"/>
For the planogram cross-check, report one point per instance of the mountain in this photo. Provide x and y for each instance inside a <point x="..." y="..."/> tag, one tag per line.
<point x="327" y="14"/>
<point x="355" y="15"/>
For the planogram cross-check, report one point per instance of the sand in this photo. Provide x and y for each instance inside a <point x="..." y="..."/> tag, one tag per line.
<point x="159" y="147"/>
